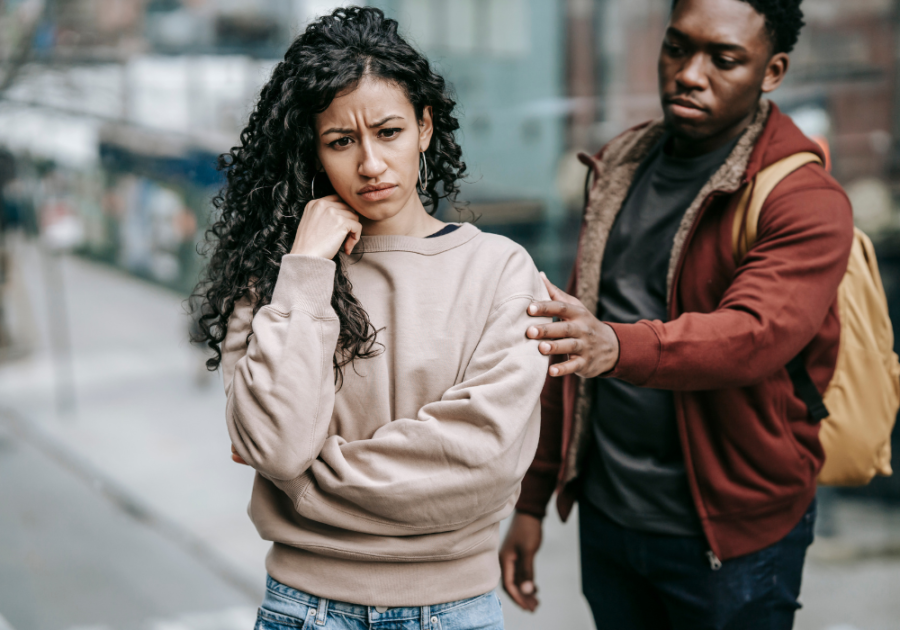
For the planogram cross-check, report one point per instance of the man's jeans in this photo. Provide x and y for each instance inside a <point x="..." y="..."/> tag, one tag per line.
<point x="635" y="580"/>
<point x="285" y="608"/>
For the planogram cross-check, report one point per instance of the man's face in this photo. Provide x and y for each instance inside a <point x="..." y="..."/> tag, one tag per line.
<point x="715" y="61"/>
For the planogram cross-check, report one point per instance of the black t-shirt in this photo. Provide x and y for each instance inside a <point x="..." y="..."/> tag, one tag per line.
<point x="450" y="227"/>
<point x="635" y="474"/>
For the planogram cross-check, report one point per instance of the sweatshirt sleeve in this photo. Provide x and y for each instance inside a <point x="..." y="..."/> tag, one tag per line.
<point x="541" y="479"/>
<point x="461" y="458"/>
<point x="776" y="304"/>
<point x="280" y="385"/>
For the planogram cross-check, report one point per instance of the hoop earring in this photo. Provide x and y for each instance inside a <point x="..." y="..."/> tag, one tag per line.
<point x="424" y="163"/>
<point x="312" y="184"/>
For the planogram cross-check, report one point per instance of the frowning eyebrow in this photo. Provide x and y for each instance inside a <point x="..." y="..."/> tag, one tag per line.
<point x="375" y="125"/>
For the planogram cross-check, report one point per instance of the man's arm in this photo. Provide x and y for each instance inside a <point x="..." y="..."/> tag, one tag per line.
<point x="779" y="298"/>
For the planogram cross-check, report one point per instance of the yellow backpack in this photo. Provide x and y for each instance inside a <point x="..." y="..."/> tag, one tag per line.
<point x="859" y="408"/>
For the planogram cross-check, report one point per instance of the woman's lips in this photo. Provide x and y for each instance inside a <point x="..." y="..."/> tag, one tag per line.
<point x="379" y="194"/>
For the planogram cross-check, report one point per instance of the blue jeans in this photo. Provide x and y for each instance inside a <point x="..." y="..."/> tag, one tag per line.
<point x="634" y="580"/>
<point x="285" y="608"/>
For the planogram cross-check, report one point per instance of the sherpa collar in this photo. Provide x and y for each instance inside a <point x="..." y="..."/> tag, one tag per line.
<point x="614" y="171"/>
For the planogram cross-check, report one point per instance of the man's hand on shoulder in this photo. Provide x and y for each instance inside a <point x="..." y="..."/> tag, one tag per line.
<point x="592" y="346"/>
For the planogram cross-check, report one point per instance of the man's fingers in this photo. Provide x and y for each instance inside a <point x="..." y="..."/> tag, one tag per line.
<point x="525" y="580"/>
<point x="550" y="309"/>
<point x="558" y="294"/>
<point x="572" y="366"/>
<point x="556" y="330"/>
<point x="552" y="289"/>
<point x="564" y="346"/>
<point x="508" y="567"/>
<point x="510" y="564"/>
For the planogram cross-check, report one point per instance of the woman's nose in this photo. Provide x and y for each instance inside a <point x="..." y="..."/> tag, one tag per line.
<point x="372" y="164"/>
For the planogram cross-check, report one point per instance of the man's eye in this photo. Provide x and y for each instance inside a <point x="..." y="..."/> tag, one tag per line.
<point x="340" y="143"/>
<point x="672" y="49"/>
<point x="725" y="62"/>
<point x="390" y="133"/>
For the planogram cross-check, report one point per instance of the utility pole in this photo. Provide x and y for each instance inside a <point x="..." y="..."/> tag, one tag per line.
<point x="581" y="71"/>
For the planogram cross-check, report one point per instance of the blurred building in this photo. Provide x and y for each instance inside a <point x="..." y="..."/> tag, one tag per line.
<point x="114" y="90"/>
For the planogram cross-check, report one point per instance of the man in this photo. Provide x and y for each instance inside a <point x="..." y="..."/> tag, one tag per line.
<point x="669" y="413"/>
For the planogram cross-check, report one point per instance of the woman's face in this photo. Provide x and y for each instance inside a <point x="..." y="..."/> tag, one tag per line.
<point x="369" y="143"/>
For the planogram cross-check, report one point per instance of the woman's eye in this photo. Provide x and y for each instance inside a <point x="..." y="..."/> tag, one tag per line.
<point x="340" y="143"/>
<point x="390" y="133"/>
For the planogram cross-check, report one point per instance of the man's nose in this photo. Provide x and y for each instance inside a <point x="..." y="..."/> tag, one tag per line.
<point x="693" y="75"/>
<point x="372" y="164"/>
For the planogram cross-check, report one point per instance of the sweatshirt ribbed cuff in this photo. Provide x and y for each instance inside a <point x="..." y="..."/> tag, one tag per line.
<point x="639" y="351"/>
<point x="294" y="488"/>
<point x="304" y="283"/>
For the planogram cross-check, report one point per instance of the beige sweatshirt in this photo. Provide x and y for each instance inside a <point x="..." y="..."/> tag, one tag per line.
<point x="390" y="490"/>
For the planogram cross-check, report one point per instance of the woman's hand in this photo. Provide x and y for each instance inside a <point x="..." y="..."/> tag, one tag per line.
<point x="327" y="223"/>
<point x="237" y="459"/>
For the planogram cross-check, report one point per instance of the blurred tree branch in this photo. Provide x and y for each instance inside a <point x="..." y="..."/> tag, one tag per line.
<point x="31" y="13"/>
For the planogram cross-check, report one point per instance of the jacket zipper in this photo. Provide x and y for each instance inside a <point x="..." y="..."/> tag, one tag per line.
<point x="714" y="562"/>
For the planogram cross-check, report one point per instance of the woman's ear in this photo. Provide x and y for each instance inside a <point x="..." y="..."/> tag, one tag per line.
<point x="426" y="129"/>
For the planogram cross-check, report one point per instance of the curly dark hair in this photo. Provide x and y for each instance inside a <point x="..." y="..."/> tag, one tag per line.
<point x="269" y="175"/>
<point x="784" y="21"/>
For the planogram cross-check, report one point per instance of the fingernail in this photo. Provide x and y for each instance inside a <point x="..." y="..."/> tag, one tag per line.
<point x="532" y="309"/>
<point x="527" y="588"/>
<point x="543" y="275"/>
<point x="544" y="347"/>
<point x="554" y="371"/>
<point x="532" y="332"/>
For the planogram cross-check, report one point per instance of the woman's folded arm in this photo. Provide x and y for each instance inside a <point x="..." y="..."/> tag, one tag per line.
<point x="461" y="458"/>
<point x="280" y="382"/>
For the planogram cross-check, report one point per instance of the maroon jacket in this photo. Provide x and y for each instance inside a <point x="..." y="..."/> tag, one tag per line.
<point x="751" y="454"/>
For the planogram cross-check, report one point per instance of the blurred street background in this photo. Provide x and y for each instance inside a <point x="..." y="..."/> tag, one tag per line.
<point x="119" y="505"/>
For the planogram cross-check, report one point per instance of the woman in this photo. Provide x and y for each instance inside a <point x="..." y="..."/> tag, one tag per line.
<point x="377" y="374"/>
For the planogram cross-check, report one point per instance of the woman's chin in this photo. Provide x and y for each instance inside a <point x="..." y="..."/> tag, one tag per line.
<point x="377" y="212"/>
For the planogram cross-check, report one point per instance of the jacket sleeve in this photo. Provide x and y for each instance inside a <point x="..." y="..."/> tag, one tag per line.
<point x="461" y="458"/>
<point x="780" y="296"/>
<point x="280" y="384"/>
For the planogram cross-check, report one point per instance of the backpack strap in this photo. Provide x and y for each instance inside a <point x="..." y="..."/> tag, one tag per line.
<point x="743" y="236"/>
<point x="746" y="217"/>
<point x="806" y="390"/>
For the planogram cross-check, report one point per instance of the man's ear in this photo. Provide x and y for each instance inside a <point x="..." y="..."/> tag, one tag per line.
<point x="426" y="128"/>
<point x="775" y="72"/>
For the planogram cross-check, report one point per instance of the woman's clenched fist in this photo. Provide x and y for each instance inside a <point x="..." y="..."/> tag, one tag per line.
<point x="327" y="224"/>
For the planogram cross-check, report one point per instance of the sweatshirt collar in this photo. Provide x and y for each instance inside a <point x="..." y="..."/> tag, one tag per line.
<point x="416" y="245"/>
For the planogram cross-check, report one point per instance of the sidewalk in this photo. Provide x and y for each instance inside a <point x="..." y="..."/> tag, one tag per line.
<point x="152" y="439"/>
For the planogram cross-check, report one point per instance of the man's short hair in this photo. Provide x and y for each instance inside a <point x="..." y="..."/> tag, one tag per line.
<point x="784" y="21"/>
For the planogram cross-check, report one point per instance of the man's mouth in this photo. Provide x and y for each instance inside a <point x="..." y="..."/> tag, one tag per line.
<point x="685" y="108"/>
